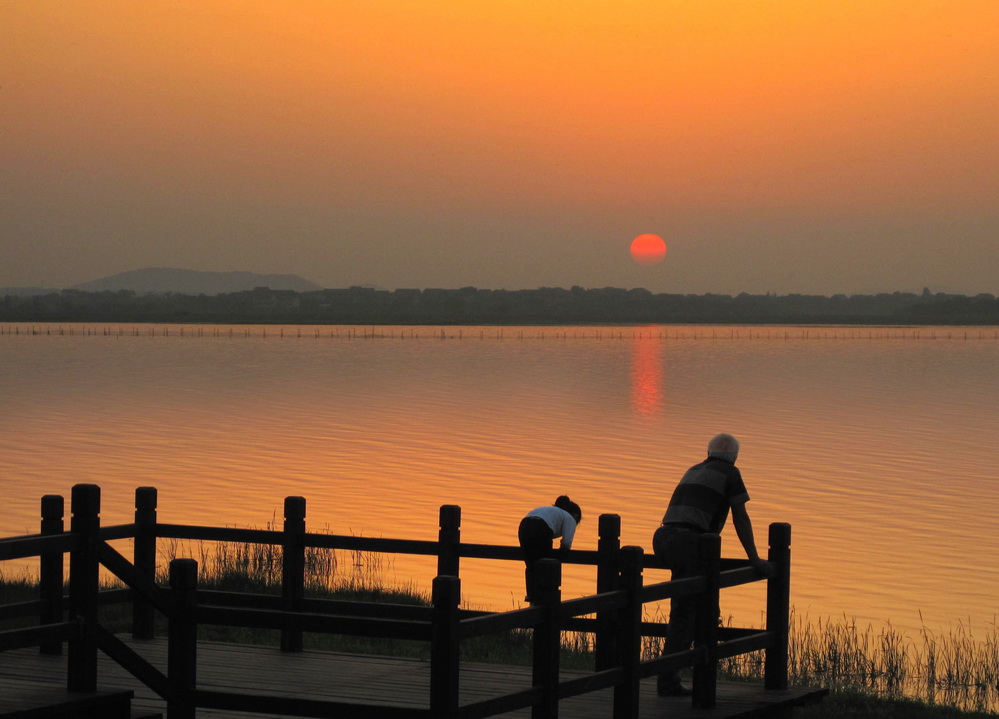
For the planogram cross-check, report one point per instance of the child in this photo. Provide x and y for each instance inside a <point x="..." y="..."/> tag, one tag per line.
<point x="540" y="527"/>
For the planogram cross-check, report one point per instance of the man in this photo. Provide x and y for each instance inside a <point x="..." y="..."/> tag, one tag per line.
<point x="700" y="504"/>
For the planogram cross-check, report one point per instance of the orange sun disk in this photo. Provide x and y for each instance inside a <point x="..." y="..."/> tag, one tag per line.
<point x="648" y="249"/>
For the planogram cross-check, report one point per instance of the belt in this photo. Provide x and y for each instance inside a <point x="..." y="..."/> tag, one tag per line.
<point x="682" y="526"/>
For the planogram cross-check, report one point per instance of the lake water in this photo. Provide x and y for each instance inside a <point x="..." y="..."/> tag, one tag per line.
<point x="878" y="445"/>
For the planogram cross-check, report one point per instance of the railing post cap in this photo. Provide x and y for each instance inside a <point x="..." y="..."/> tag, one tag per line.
<point x="294" y="507"/>
<point x="631" y="558"/>
<point x="609" y="525"/>
<point x="450" y="515"/>
<point x="86" y="499"/>
<point x="780" y="534"/>
<point x="145" y="497"/>
<point x="53" y="506"/>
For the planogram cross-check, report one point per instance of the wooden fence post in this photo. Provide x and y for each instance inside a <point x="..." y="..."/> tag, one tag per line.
<point x="778" y="606"/>
<point x="293" y="568"/>
<point x="84" y="569"/>
<point x="182" y="647"/>
<point x="444" y="646"/>
<point x="144" y="558"/>
<point x="448" y="538"/>
<point x="608" y="546"/>
<point x="51" y="568"/>
<point x="706" y="623"/>
<point x="547" y="637"/>
<point x="630" y="634"/>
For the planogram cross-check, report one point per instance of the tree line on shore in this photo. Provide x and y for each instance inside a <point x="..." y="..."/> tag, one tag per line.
<point x="470" y="305"/>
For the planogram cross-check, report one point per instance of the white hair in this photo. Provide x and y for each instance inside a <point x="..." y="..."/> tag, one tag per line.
<point x="723" y="446"/>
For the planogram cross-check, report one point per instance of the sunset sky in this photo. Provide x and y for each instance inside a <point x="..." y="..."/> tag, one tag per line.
<point x="813" y="146"/>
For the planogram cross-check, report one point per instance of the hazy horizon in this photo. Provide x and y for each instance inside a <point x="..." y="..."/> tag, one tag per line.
<point x="815" y="148"/>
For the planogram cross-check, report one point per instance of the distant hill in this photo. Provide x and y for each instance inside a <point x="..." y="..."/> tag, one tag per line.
<point x="160" y="280"/>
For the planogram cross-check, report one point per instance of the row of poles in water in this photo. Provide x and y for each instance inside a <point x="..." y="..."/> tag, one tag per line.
<point x="499" y="333"/>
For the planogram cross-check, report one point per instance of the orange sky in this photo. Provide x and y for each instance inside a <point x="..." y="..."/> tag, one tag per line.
<point x="830" y="146"/>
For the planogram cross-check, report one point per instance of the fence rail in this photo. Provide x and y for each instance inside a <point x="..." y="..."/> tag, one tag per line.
<point x="613" y="614"/>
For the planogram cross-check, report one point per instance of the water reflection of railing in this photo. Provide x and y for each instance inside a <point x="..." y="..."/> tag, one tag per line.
<point x="613" y="614"/>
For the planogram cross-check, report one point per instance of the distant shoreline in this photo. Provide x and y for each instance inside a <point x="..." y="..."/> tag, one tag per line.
<point x="472" y="306"/>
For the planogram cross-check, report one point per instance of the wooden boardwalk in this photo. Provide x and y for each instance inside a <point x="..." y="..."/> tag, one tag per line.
<point x="244" y="679"/>
<point x="381" y="680"/>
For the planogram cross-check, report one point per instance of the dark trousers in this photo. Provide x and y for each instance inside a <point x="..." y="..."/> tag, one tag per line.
<point x="536" y="541"/>
<point x="677" y="549"/>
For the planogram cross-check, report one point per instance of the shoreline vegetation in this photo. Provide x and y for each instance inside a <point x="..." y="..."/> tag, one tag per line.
<point x="869" y="673"/>
<point x="473" y="306"/>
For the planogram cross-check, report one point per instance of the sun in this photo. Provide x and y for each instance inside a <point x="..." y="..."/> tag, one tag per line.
<point x="648" y="249"/>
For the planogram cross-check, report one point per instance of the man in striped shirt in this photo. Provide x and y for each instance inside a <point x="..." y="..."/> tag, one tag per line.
<point x="700" y="504"/>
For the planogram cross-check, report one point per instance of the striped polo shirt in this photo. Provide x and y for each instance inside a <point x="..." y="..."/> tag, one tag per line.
<point x="705" y="494"/>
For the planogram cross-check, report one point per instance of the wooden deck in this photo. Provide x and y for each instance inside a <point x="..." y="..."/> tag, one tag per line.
<point x="388" y="681"/>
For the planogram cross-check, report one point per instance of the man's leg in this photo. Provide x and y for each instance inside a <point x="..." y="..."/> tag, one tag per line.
<point x="678" y="549"/>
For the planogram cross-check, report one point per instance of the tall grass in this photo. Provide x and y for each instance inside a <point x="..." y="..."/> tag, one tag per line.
<point x="957" y="669"/>
<point x="351" y="576"/>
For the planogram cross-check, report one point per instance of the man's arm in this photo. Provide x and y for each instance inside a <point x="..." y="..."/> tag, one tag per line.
<point x="744" y="528"/>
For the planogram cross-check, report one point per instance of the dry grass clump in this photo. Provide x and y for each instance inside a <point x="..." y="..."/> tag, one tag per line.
<point x="259" y="566"/>
<point x="351" y="575"/>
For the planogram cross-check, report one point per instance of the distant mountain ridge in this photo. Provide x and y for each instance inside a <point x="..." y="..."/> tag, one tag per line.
<point x="161" y="280"/>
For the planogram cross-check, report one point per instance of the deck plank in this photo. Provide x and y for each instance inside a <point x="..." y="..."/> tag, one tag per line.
<point x="327" y="676"/>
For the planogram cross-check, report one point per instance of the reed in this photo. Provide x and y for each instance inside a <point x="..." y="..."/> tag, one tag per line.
<point x="956" y="669"/>
<point x="352" y="576"/>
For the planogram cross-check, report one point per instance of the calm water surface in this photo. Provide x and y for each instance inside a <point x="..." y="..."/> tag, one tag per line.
<point x="877" y="445"/>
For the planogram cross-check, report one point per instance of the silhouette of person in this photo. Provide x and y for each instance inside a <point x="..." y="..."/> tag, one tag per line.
<point x="538" y="530"/>
<point x="700" y="504"/>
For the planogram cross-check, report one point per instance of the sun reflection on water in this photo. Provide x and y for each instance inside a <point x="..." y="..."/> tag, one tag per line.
<point x="647" y="375"/>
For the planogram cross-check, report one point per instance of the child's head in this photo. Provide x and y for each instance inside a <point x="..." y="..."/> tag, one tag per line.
<point x="567" y="505"/>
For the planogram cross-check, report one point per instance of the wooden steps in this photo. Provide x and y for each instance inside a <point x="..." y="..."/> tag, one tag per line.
<point x="27" y="699"/>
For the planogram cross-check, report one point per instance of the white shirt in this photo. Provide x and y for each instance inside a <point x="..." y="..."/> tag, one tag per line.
<point x="561" y="522"/>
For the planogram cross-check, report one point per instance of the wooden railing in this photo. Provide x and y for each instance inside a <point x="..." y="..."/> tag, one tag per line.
<point x="613" y="614"/>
